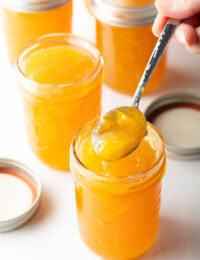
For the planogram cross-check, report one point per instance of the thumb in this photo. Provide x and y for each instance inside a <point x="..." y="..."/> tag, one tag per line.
<point x="195" y="48"/>
<point x="179" y="9"/>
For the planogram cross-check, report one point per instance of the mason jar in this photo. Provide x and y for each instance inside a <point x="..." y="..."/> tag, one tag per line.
<point x="118" y="202"/>
<point x="124" y="37"/>
<point x="26" y="20"/>
<point x="60" y="77"/>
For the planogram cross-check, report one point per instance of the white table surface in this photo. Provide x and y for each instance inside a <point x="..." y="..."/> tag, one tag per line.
<point x="53" y="234"/>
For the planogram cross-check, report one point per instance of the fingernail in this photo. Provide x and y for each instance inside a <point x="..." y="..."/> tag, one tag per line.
<point x="155" y="27"/>
<point x="183" y="40"/>
<point x="154" y="30"/>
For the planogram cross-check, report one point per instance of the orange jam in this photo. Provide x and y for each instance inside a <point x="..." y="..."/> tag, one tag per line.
<point x="119" y="132"/>
<point x="22" y="26"/>
<point x="126" y="52"/>
<point x="125" y="39"/>
<point x="60" y="77"/>
<point x="118" y="202"/>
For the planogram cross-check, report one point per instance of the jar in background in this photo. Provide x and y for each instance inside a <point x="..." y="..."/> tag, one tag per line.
<point x="26" y="20"/>
<point x="132" y="3"/>
<point x="123" y="3"/>
<point x="124" y="37"/>
<point x="60" y="76"/>
<point x="118" y="202"/>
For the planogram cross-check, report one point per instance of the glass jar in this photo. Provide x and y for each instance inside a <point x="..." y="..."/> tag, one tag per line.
<point x="131" y="2"/>
<point x="118" y="216"/>
<point x="124" y="37"/>
<point x="58" y="100"/>
<point x="25" y="21"/>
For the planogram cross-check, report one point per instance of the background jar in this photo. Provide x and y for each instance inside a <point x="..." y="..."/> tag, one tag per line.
<point x="26" y="20"/>
<point x="53" y="113"/>
<point x="124" y="37"/>
<point x="119" y="217"/>
<point x="131" y="2"/>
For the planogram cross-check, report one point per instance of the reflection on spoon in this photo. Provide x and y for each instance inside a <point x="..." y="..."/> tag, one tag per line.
<point x="119" y="132"/>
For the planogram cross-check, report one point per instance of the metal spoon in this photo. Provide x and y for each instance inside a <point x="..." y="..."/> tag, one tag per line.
<point x="157" y="54"/>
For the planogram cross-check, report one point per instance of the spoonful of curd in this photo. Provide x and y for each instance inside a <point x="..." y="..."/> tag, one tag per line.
<point x="120" y="131"/>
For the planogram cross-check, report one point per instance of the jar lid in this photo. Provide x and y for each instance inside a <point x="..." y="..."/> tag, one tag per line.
<point x="32" y="6"/>
<point x="123" y="16"/>
<point x="20" y="192"/>
<point x="177" y="117"/>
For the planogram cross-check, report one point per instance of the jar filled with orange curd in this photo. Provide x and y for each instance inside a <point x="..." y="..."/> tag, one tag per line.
<point x="60" y="77"/>
<point x="124" y="37"/>
<point x="118" y="202"/>
<point x="26" y="20"/>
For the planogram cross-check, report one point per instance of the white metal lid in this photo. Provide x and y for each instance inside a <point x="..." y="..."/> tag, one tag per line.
<point x="178" y="115"/>
<point x="123" y="16"/>
<point x="26" y="173"/>
<point x="32" y="6"/>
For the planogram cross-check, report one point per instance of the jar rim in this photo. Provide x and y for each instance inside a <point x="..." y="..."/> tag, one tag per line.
<point x="127" y="179"/>
<point x="16" y="166"/>
<point x="123" y="16"/>
<point x="32" y="6"/>
<point x="62" y="38"/>
<point x="175" y="99"/>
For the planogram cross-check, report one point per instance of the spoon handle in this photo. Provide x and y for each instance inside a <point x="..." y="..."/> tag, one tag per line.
<point x="158" y="52"/>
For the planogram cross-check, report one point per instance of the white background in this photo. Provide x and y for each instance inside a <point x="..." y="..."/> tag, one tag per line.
<point x="53" y="234"/>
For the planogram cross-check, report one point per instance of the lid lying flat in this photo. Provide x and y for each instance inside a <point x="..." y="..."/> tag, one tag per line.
<point x="20" y="192"/>
<point x="123" y="16"/>
<point x="32" y="6"/>
<point x="177" y="117"/>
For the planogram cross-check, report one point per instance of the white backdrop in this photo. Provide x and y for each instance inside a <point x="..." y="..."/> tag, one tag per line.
<point x="53" y="234"/>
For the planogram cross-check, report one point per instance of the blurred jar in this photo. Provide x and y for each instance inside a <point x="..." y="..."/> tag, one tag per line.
<point x="26" y="20"/>
<point x="122" y="3"/>
<point x="60" y="76"/>
<point x="132" y="3"/>
<point x="118" y="202"/>
<point x="124" y="37"/>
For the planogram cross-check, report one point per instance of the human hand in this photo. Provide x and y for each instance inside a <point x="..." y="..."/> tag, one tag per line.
<point x="188" y="32"/>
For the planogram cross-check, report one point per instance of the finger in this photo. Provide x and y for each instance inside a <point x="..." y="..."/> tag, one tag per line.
<point x="159" y="24"/>
<point x="195" y="48"/>
<point x="185" y="35"/>
<point x="179" y="9"/>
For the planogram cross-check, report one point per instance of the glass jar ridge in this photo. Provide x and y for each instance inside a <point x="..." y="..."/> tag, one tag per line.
<point x="123" y="16"/>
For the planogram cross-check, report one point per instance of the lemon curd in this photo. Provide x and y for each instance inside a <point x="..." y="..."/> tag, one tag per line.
<point x="60" y="77"/>
<point x="25" y="21"/>
<point x="118" y="202"/>
<point x="119" y="132"/>
<point x="59" y="65"/>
